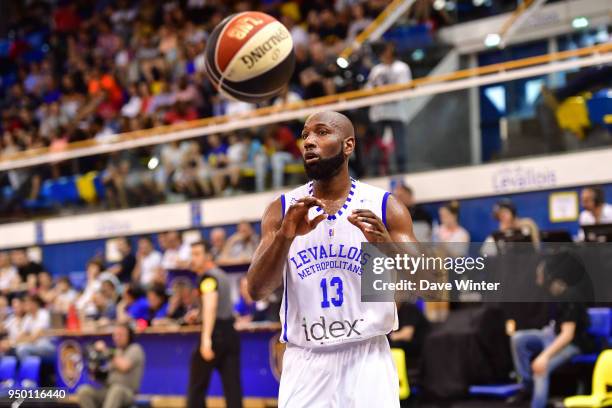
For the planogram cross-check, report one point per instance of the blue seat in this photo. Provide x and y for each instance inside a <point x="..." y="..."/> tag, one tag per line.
<point x="29" y="372"/>
<point x="8" y="368"/>
<point x="495" y="390"/>
<point x="600" y="328"/>
<point x="599" y="106"/>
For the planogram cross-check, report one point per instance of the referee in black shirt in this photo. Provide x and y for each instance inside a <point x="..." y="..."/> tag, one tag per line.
<point x="219" y="345"/>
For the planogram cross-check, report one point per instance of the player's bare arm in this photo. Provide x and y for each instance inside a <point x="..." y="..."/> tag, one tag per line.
<point x="266" y="271"/>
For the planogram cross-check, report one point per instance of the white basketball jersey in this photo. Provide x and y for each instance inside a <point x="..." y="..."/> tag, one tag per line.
<point x="322" y="294"/>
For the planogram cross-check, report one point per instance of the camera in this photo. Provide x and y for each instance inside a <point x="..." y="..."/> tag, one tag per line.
<point x="98" y="362"/>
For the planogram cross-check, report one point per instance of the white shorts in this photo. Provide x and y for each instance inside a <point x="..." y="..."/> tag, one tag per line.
<point x="352" y="375"/>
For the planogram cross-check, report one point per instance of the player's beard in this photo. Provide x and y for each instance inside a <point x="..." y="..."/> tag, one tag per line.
<point x="324" y="169"/>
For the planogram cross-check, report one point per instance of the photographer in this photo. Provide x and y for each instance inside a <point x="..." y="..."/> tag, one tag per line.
<point x="120" y="370"/>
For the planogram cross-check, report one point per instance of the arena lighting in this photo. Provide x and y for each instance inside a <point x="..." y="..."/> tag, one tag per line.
<point x="492" y="40"/>
<point x="580" y="22"/>
<point x="478" y="3"/>
<point x="418" y="55"/>
<point x="439" y="4"/>
<point x="342" y="62"/>
<point x="153" y="163"/>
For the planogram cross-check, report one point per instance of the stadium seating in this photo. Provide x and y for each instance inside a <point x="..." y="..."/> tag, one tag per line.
<point x="601" y="394"/>
<point x="29" y="372"/>
<point x="8" y="368"/>
<point x="600" y="328"/>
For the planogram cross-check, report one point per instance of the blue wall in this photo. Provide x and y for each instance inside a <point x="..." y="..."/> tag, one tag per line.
<point x="475" y="215"/>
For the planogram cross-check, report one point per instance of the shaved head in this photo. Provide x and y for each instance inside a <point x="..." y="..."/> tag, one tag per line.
<point x="336" y="120"/>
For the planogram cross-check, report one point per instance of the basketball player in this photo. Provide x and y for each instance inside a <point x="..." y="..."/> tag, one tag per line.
<point x="337" y="353"/>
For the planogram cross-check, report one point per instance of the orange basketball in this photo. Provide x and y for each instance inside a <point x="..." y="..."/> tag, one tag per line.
<point x="249" y="56"/>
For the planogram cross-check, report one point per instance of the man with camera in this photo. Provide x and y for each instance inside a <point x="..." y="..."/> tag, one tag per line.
<point x="119" y="370"/>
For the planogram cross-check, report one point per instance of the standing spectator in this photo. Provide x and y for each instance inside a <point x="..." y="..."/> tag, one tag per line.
<point x="37" y="320"/>
<point x="176" y="254"/>
<point x="596" y="210"/>
<point x="240" y="247"/>
<point x="123" y="269"/>
<point x="218" y="238"/>
<point x="391" y="115"/>
<point x="24" y="265"/>
<point x="9" y="278"/>
<point x="148" y="267"/>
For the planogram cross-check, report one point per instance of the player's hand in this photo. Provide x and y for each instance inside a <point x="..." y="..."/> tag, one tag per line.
<point x="296" y="222"/>
<point x="371" y="226"/>
<point x="206" y="350"/>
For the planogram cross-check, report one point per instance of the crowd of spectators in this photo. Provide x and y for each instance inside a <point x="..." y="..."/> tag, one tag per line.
<point x="145" y="285"/>
<point x="148" y="282"/>
<point x="97" y="69"/>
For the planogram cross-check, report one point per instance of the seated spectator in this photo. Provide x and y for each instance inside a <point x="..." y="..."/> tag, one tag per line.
<point x="282" y="148"/>
<point x="410" y="335"/>
<point x="9" y="278"/>
<point x="184" y="303"/>
<point x="240" y="247"/>
<point x="421" y="220"/>
<point x="596" y="210"/>
<point x="123" y="269"/>
<point x="104" y="311"/>
<point x="84" y="303"/>
<point x="235" y="159"/>
<point x="64" y="295"/>
<point x="176" y="254"/>
<point x="148" y="267"/>
<point x="247" y="310"/>
<point x="511" y="227"/>
<point x="13" y="326"/>
<point x="133" y="304"/>
<point x="450" y="232"/>
<point x="24" y="265"/>
<point x="33" y="341"/>
<point x="157" y="304"/>
<point x="218" y="238"/>
<point x="125" y="375"/>
<point x="536" y="353"/>
<point x="45" y="287"/>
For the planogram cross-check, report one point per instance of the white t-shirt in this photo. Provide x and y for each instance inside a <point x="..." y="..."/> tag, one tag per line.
<point x="7" y="277"/>
<point x="38" y="322"/>
<point x="172" y="257"/>
<point x="14" y="326"/>
<point x="382" y="74"/>
<point x="149" y="266"/>
<point x="587" y="218"/>
<point x="236" y="153"/>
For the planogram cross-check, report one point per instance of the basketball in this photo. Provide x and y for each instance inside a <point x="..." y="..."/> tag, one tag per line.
<point x="249" y="56"/>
